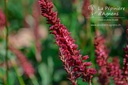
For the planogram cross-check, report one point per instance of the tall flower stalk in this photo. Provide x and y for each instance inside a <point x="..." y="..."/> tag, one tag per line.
<point x="26" y="65"/>
<point x="101" y="59"/>
<point x="107" y="69"/>
<point x="125" y="67"/>
<point x="86" y="12"/>
<point x="36" y="16"/>
<point x="115" y="72"/>
<point x="7" y="33"/>
<point x="72" y="59"/>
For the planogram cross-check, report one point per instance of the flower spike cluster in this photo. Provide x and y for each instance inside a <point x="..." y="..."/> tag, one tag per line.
<point x="73" y="62"/>
<point x="125" y="63"/>
<point x="125" y="68"/>
<point x="115" y="72"/>
<point x="101" y="53"/>
<point x="86" y="12"/>
<point x="26" y="65"/>
<point x="107" y="69"/>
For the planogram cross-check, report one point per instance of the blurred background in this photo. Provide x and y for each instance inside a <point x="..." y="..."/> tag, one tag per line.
<point x="33" y="55"/>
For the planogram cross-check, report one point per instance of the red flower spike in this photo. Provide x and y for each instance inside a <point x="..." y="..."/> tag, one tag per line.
<point x="69" y="54"/>
<point x="101" y="54"/>
<point x="2" y="19"/>
<point x="107" y="69"/>
<point x="115" y="72"/>
<point x="125" y="67"/>
<point x="86" y="12"/>
<point x="26" y="65"/>
<point x="101" y="51"/>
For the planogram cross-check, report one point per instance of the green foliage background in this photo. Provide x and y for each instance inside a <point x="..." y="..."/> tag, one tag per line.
<point x="50" y="70"/>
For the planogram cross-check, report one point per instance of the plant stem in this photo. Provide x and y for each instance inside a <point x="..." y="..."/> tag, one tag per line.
<point x="21" y="81"/>
<point x="90" y="83"/>
<point x="6" y="47"/>
<point x="34" y="80"/>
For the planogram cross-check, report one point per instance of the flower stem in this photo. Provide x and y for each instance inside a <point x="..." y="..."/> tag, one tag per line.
<point x="6" y="48"/>
<point x="90" y="83"/>
<point x="21" y="81"/>
<point x="34" y="80"/>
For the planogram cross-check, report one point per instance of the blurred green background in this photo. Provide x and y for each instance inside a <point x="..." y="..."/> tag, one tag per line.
<point x="24" y="17"/>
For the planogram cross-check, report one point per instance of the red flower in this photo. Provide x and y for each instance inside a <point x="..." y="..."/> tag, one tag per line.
<point x="125" y="67"/>
<point x="26" y="65"/>
<point x="101" y="53"/>
<point x="2" y="19"/>
<point x="107" y="70"/>
<point x="69" y="54"/>
<point x="86" y="12"/>
<point x="115" y="72"/>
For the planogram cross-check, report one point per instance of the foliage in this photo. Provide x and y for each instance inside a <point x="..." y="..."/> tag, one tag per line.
<point x="29" y="33"/>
